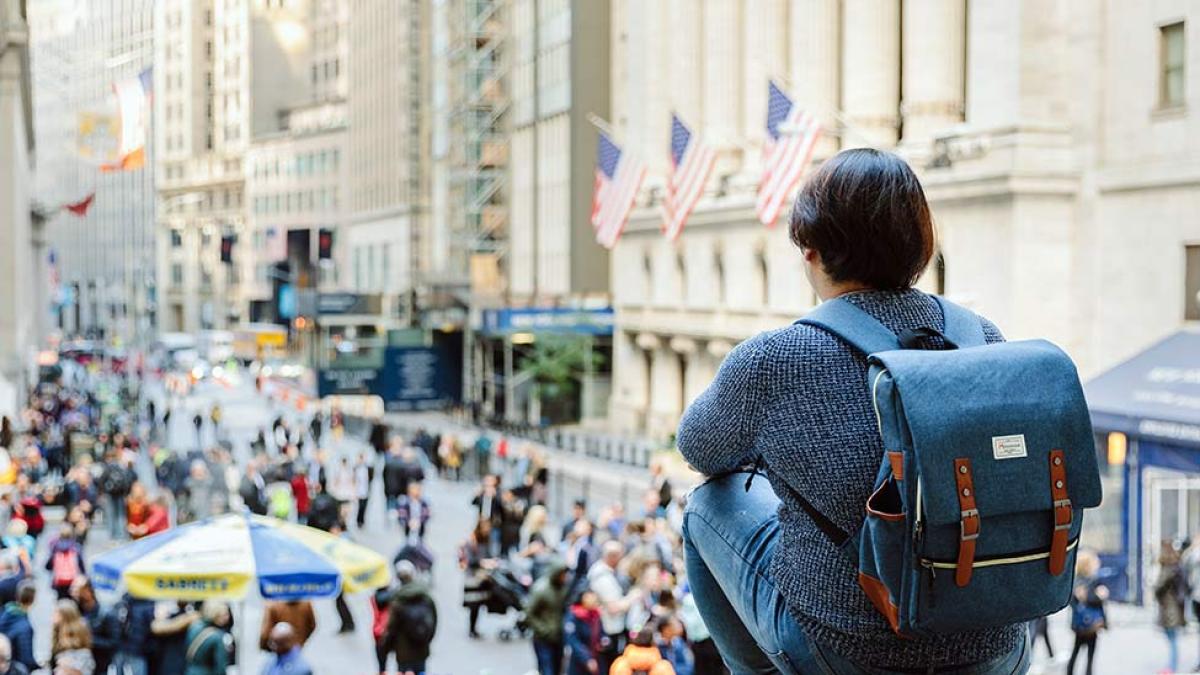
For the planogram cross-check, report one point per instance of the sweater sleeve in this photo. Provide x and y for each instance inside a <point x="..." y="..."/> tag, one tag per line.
<point x="718" y="431"/>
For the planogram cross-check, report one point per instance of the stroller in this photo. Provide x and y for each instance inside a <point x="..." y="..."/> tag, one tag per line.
<point x="507" y="589"/>
<point x="418" y="554"/>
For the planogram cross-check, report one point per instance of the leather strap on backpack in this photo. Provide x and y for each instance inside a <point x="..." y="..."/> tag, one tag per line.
<point x="1063" y="514"/>
<point x="968" y="524"/>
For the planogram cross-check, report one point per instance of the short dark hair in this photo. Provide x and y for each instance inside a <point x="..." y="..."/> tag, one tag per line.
<point x="26" y="592"/>
<point x="864" y="212"/>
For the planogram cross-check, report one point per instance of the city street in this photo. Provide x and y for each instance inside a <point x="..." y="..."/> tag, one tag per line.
<point x="353" y="654"/>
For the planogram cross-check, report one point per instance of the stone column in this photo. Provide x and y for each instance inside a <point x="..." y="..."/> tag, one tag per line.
<point x="870" y="72"/>
<point x="764" y="57"/>
<point x="684" y="81"/>
<point x="815" y="48"/>
<point x="721" y="76"/>
<point x="934" y="66"/>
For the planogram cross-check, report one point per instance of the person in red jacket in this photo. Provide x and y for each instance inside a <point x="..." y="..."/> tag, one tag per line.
<point x="158" y="519"/>
<point x="301" y="494"/>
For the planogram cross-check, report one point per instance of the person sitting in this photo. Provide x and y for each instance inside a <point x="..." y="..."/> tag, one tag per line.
<point x="776" y="593"/>
<point x="15" y="625"/>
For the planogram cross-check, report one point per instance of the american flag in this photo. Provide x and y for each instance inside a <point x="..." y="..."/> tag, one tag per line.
<point x="791" y="135"/>
<point x="618" y="177"/>
<point x="691" y="163"/>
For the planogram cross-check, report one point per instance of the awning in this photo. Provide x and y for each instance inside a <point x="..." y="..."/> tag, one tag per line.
<point x="1155" y="394"/>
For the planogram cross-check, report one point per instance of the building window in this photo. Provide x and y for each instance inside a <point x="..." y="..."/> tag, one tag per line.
<point x="1191" y="300"/>
<point x="681" y="273"/>
<point x="177" y="274"/>
<point x="176" y="239"/>
<point x="1171" y="54"/>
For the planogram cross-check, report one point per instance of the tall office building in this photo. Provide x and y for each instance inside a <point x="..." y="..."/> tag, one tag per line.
<point x="105" y="257"/>
<point x="22" y="297"/>
<point x="557" y="58"/>
<point x="225" y="70"/>
<point x="388" y="149"/>
<point x="297" y="176"/>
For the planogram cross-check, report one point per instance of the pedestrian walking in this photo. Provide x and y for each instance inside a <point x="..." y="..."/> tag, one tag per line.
<point x="116" y="481"/>
<point x="198" y="422"/>
<point x="65" y="561"/>
<point x="252" y="489"/>
<point x="411" y="622"/>
<point x="314" y="427"/>
<point x="133" y="651"/>
<point x="103" y="625"/>
<point x="582" y="635"/>
<point x="207" y="653"/>
<point x="298" y="614"/>
<point x="343" y="609"/>
<point x="70" y="639"/>
<point x="15" y="625"/>
<point x="544" y="611"/>
<point x="168" y="633"/>
<point x="364" y="473"/>
<point x="1088" y="617"/>
<point x="1170" y="590"/>
<point x="7" y="665"/>
<point x="412" y="510"/>
<point x="614" y="602"/>
<point x="286" y="658"/>
<point x="475" y="560"/>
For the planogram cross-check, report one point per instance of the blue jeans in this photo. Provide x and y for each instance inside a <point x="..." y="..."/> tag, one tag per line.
<point x="729" y="539"/>
<point x="549" y="657"/>
<point x="130" y="664"/>
<point x="1172" y="649"/>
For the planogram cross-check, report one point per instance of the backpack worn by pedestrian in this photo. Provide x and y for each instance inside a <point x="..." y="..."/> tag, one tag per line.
<point x="989" y="462"/>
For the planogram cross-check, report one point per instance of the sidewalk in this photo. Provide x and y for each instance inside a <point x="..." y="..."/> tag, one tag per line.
<point x="574" y="474"/>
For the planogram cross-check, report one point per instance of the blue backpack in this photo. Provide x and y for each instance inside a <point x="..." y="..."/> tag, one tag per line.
<point x="989" y="461"/>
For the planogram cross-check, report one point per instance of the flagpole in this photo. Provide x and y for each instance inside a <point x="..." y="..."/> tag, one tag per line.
<point x="601" y="124"/>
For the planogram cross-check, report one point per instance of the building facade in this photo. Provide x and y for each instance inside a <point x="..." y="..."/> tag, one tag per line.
<point x="209" y="103"/>
<point x="104" y="257"/>
<point x="559" y="78"/>
<point x="388" y="150"/>
<point x="297" y="178"/>
<point x="1044" y="133"/>
<point x="23" y="300"/>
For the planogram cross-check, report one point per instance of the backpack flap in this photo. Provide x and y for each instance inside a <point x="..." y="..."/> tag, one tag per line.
<point x="1003" y="408"/>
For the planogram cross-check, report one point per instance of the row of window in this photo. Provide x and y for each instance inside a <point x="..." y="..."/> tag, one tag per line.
<point x="306" y="164"/>
<point x="324" y="199"/>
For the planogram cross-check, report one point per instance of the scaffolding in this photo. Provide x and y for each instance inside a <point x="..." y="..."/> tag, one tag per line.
<point x="479" y="150"/>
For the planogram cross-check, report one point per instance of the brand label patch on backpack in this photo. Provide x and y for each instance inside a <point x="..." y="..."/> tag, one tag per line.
<point x="1008" y="447"/>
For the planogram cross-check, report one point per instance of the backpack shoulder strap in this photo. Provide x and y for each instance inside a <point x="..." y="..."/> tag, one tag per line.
<point x="199" y="641"/>
<point x="861" y="330"/>
<point x="962" y="326"/>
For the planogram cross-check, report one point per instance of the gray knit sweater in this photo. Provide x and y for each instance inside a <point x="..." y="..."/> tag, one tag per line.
<point x="798" y="396"/>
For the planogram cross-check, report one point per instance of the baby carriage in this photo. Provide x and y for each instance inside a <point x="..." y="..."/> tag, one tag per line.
<point x="507" y="589"/>
<point x="418" y="554"/>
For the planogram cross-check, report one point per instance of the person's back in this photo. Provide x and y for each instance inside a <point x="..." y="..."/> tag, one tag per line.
<point x="411" y="624"/>
<point x="206" y="653"/>
<point x="794" y="402"/>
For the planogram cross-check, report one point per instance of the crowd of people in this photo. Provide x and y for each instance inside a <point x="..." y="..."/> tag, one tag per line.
<point x="89" y="444"/>
<point x="598" y="593"/>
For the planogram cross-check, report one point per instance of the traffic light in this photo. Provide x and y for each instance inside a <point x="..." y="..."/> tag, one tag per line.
<point x="325" y="244"/>
<point x="227" y="242"/>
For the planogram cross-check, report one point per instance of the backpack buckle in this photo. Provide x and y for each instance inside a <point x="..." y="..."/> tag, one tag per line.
<point x="963" y="535"/>
<point x="1062" y="513"/>
<point x="1062" y="506"/>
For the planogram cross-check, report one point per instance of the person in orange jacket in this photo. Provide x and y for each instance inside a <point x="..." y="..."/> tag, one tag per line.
<point x="641" y="656"/>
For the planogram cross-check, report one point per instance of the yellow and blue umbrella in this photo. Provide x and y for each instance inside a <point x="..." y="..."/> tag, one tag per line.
<point x="219" y="558"/>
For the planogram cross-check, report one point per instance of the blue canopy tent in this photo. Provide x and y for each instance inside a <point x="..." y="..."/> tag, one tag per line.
<point x="1153" y="399"/>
